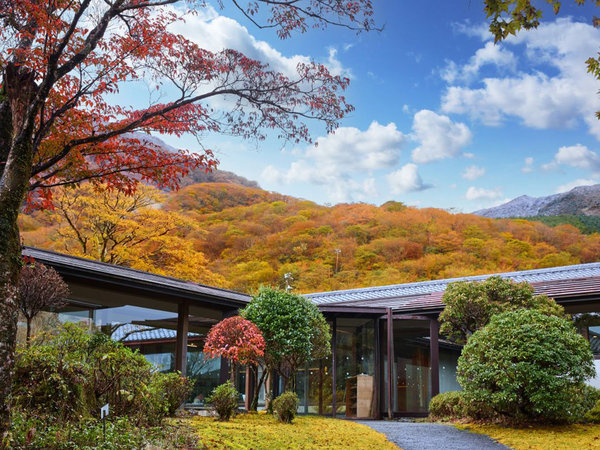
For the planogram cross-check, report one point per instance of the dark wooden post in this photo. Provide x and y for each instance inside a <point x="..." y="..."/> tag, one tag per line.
<point x="390" y="359"/>
<point x="181" y="343"/>
<point x="333" y="370"/>
<point x="320" y="387"/>
<point x="434" y="331"/>
<point x="378" y="361"/>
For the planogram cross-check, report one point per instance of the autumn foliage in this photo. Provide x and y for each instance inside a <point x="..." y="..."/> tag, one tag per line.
<point x="242" y="237"/>
<point x="235" y="339"/>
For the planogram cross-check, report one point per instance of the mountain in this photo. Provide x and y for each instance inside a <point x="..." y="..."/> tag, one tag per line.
<point x="246" y="237"/>
<point x="582" y="200"/>
<point x="195" y="176"/>
<point x="216" y="196"/>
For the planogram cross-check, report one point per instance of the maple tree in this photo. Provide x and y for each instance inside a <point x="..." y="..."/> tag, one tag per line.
<point x="61" y="61"/>
<point x="40" y="288"/>
<point x="240" y="342"/>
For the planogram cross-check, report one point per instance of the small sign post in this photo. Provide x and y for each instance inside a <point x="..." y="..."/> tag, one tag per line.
<point x="103" y="414"/>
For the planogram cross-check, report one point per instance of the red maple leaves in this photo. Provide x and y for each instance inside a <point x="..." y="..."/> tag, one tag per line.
<point x="236" y="339"/>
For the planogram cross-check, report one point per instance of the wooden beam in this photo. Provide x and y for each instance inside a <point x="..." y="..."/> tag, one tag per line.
<point x="183" y="314"/>
<point x="434" y="354"/>
<point x="390" y="359"/>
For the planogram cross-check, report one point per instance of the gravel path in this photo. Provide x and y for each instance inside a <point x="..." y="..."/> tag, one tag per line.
<point x="432" y="436"/>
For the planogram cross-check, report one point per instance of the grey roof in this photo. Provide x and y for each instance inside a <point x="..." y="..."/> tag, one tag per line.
<point x="389" y="295"/>
<point x="125" y="274"/>
<point x="128" y="332"/>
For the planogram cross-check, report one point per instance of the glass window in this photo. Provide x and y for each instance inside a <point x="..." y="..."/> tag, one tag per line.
<point x="355" y="367"/>
<point x="449" y="354"/>
<point x="594" y="338"/>
<point x="412" y="366"/>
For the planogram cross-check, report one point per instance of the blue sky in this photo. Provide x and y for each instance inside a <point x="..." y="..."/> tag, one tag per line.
<point x="444" y="117"/>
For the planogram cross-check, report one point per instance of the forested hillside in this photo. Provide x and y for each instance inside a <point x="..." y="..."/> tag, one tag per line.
<point x="240" y="237"/>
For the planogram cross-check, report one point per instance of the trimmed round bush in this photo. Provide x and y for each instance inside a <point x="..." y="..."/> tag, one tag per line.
<point x="285" y="407"/>
<point x="527" y="366"/>
<point x="224" y="399"/>
<point x="448" y="405"/>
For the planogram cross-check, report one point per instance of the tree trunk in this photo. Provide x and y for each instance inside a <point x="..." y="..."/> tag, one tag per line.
<point x="257" y="385"/>
<point x="16" y="133"/>
<point x="28" y="335"/>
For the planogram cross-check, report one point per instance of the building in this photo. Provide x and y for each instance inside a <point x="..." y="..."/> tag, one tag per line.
<point x="166" y="318"/>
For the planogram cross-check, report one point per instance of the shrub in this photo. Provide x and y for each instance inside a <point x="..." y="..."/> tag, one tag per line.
<point x="285" y="407"/>
<point x="593" y="415"/>
<point x="470" y="305"/>
<point x="448" y="405"/>
<point x="72" y="374"/>
<point x="50" y="378"/>
<point x="527" y="366"/>
<point x="224" y="399"/>
<point x="34" y="432"/>
<point x="170" y="390"/>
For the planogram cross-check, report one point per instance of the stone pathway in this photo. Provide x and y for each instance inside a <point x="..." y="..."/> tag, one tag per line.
<point x="432" y="436"/>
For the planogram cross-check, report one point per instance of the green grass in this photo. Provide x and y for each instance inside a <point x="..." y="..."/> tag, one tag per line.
<point x="566" y="437"/>
<point x="262" y="431"/>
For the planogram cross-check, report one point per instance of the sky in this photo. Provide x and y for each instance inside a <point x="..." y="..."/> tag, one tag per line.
<point x="444" y="117"/>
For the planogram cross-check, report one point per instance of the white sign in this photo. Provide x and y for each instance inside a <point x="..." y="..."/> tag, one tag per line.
<point x="104" y="411"/>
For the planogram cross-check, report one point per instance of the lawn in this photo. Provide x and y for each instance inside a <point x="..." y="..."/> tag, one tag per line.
<point x="261" y="431"/>
<point x="542" y="437"/>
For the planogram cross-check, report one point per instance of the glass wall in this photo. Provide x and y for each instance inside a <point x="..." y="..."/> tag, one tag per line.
<point x="313" y="385"/>
<point x="355" y="367"/>
<point x="449" y="354"/>
<point x="147" y="325"/>
<point x="412" y="366"/>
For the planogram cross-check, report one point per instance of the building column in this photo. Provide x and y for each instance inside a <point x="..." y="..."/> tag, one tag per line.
<point x="378" y="364"/>
<point x="390" y="359"/>
<point x="434" y="351"/>
<point x="333" y="369"/>
<point x="183" y="313"/>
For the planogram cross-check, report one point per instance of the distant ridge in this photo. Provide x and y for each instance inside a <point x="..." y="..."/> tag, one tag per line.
<point x="198" y="175"/>
<point x="582" y="200"/>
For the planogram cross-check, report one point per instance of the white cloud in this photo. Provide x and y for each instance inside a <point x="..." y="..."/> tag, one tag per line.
<point x="439" y="137"/>
<point x="214" y="32"/>
<point x="473" y="172"/>
<point x="340" y="157"/>
<point x="528" y="163"/>
<point x="574" y="156"/>
<point x="406" y="179"/>
<point x="350" y="148"/>
<point x="572" y="184"/>
<point x="489" y="54"/>
<point x="475" y="193"/>
<point x="561" y="99"/>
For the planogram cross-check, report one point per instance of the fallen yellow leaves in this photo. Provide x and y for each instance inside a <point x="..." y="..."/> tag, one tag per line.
<point x="261" y="431"/>
<point x="542" y="437"/>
